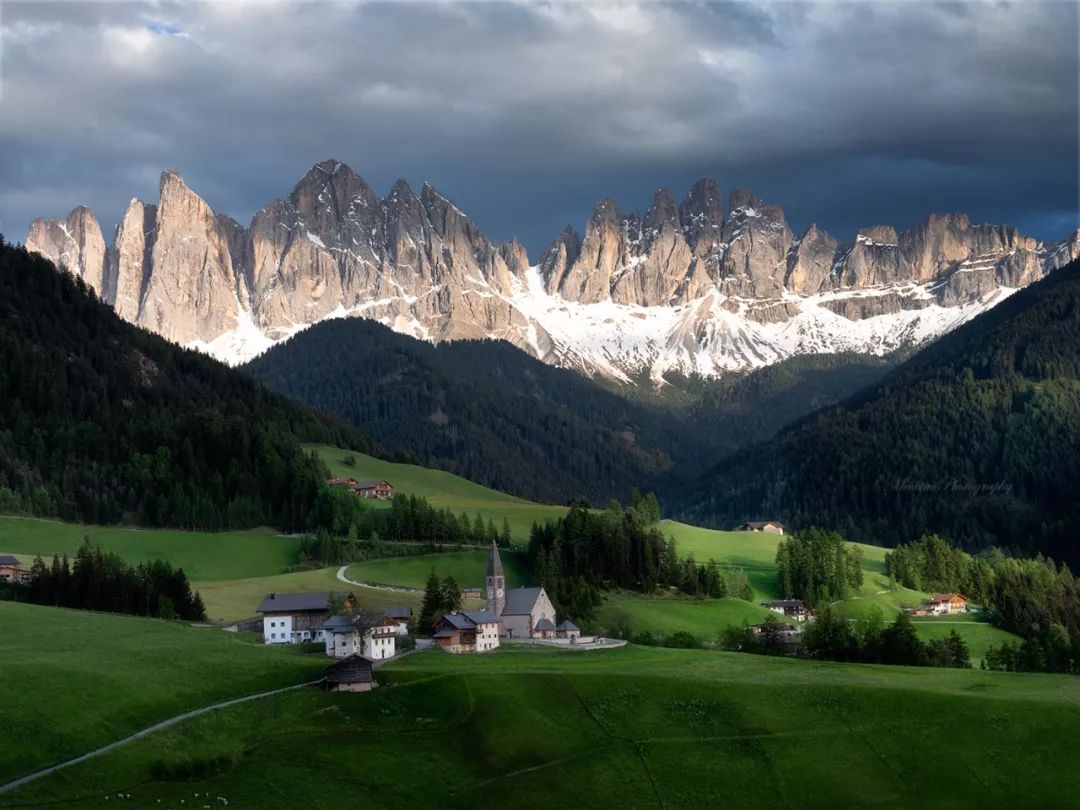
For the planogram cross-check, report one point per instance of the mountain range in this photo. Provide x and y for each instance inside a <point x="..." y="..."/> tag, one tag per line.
<point x="695" y="287"/>
<point x="976" y="438"/>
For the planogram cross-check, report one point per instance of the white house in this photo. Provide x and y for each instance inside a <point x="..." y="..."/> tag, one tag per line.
<point x="371" y="635"/>
<point x="474" y="631"/>
<point x="294" y="618"/>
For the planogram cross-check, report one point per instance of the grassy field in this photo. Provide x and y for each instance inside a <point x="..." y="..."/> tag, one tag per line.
<point x="202" y="555"/>
<point x="626" y="728"/>
<point x="663" y="617"/>
<point x="71" y="681"/>
<point x="753" y="551"/>
<point x="443" y="489"/>
<point x="467" y="567"/>
<point x="230" y="600"/>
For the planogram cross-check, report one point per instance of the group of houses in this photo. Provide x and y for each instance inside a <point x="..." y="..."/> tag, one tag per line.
<point x="375" y="490"/>
<point x="515" y="613"/>
<point x="766" y="526"/>
<point x="334" y="620"/>
<point x="941" y="604"/>
<point x="356" y="638"/>
<point x="11" y="570"/>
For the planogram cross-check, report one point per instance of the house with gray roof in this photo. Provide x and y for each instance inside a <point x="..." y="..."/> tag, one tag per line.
<point x="473" y="631"/>
<point x="294" y="618"/>
<point x="368" y="633"/>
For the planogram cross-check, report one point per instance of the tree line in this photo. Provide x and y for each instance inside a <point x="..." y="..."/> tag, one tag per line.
<point x="868" y="640"/>
<point x="100" y="580"/>
<point x="585" y="550"/>
<point x="818" y="567"/>
<point x="1035" y="598"/>
<point x="344" y="519"/>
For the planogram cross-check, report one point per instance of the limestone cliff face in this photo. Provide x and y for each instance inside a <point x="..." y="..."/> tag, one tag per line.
<point x="683" y="287"/>
<point x="129" y="260"/>
<point x="757" y="240"/>
<point x="811" y="262"/>
<point x="74" y="243"/>
<point x="191" y="289"/>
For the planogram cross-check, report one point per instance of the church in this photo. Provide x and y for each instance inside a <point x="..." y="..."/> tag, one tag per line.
<point x="523" y="612"/>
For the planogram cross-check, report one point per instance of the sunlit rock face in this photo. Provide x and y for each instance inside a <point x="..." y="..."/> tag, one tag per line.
<point x="695" y="286"/>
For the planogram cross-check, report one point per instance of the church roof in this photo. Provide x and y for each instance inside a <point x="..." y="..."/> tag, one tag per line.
<point x="494" y="568"/>
<point x="545" y="624"/>
<point x="566" y="624"/>
<point x="521" y="601"/>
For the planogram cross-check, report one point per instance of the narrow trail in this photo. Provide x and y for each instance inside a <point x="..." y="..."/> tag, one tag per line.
<point x="172" y="721"/>
<point x="341" y="576"/>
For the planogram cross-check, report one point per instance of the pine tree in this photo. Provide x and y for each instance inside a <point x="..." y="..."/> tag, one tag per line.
<point x="432" y="604"/>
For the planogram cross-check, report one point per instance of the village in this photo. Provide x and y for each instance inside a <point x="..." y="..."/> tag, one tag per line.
<point x="361" y="639"/>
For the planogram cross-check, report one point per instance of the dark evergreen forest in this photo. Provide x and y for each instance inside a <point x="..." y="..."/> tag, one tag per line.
<point x="491" y="413"/>
<point x="976" y="438"/>
<point x="102" y="422"/>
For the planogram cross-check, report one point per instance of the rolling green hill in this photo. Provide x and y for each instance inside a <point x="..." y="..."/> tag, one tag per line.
<point x="73" y="680"/>
<point x="442" y="489"/>
<point x="202" y="555"/>
<point x="975" y="438"/>
<point x="630" y="727"/>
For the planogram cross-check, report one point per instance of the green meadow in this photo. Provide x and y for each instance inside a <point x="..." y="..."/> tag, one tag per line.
<point x="467" y="567"/>
<point x="703" y="618"/>
<point x="202" y="555"/>
<point x="443" y="489"/>
<point x="628" y="728"/>
<point x="71" y="681"/>
<point x="234" y="570"/>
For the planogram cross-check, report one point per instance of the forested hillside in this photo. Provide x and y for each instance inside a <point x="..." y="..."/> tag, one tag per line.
<point x="976" y="438"/>
<point x="102" y="422"/>
<point x="495" y="415"/>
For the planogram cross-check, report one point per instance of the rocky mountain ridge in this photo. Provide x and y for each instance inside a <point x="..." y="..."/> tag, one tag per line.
<point x="690" y="286"/>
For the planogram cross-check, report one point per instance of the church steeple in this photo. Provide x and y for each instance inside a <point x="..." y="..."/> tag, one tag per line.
<point x="496" y="582"/>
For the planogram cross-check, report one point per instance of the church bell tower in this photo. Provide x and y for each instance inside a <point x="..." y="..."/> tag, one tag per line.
<point x="496" y="583"/>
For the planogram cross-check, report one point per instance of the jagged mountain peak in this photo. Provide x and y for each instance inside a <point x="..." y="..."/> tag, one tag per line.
<point x="678" y="288"/>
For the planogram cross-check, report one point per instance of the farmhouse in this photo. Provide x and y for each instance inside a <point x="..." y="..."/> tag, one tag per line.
<point x="370" y="634"/>
<point x="351" y="674"/>
<point x="792" y="608"/>
<point x="474" y="631"/>
<point x="401" y="617"/>
<point x="377" y="490"/>
<point x="12" y="571"/>
<point x="341" y="482"/>
<point x="767" y="526"/>
<point x="946" y="603"/>
<point x="293" y="618"/>
<point x="522" y="610"/>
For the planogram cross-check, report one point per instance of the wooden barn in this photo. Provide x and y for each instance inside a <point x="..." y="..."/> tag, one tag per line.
<point x="352" y="674"/>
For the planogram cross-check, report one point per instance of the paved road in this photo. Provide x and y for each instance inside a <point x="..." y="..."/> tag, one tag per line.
<point x="137" y="735"/>
<point x="345" y="579"/>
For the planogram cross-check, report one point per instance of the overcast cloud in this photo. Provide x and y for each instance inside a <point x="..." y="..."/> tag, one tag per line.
<point x="525" y="114"/>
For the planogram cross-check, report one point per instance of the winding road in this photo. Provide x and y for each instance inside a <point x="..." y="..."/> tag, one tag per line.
<point x="172" y="721"/>
<point x="341" y="576"/>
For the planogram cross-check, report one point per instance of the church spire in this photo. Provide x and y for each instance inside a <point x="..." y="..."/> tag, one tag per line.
<point x="496" y="582"/>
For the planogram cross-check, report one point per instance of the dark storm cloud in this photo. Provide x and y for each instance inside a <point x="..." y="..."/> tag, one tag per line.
<point x="845" y="113"/>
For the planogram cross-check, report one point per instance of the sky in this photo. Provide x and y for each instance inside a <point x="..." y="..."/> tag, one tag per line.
<point x="525" y="114"/>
